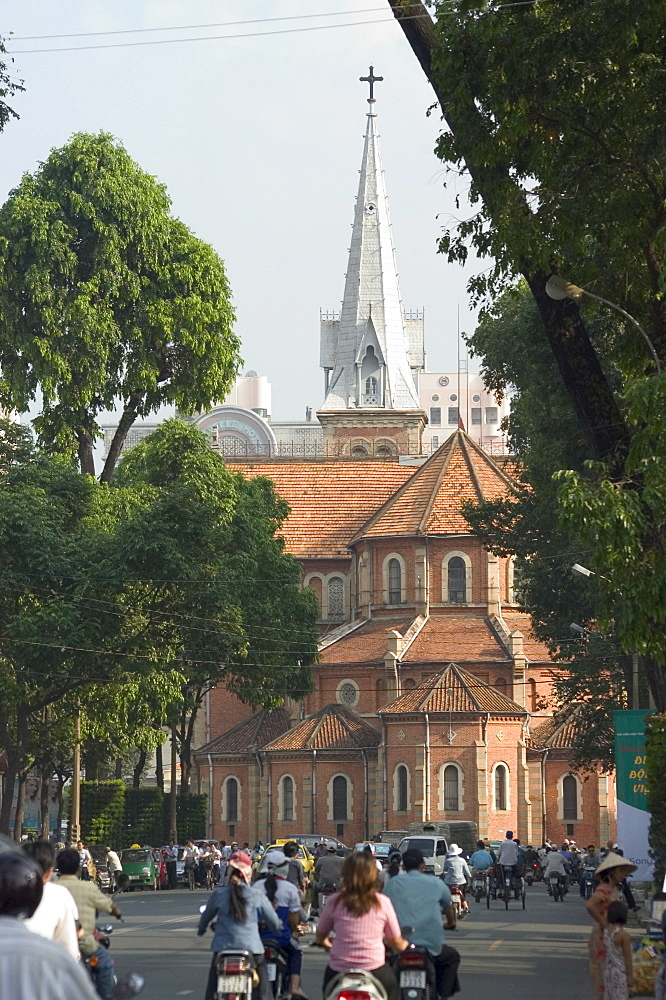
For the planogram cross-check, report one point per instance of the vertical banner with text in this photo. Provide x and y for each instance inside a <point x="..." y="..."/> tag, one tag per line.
<point x="633" y="819"/>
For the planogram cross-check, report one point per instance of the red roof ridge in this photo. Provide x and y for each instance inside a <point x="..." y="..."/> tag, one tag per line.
<point x="460" y="682"/>
<point x="340" y="633"/>
<point x="412" y="632"/>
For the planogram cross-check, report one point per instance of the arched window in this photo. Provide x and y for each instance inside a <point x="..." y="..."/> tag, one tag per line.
<point x="371" y="386"/>
<point x="569" y="798"/>
<point x="501" y="797"/>
<point x="287" y="797"/>
<point x="394" y="582"/>
<point x="380" y="687"/>
<point x="231" y="800"/>
<point x="409" y="684"/>
<point x="340" y="796"/>
<point x="500" y="684"/>
<point x="402" y="788"/>
<point x="532" y="694"/>
<point x="451" y="788"/>
<point x="457" y="581"/>
<point x="336" y="599"/>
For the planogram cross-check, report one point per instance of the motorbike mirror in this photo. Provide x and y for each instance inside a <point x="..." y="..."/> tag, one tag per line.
<point x="105" y="928"/>
<point x="129" y="987"/>
<point x="202" y="908"/>
<point x="122" y="882"/>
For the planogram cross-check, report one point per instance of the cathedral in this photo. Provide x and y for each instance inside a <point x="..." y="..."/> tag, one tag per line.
<point x="430" y="687"/>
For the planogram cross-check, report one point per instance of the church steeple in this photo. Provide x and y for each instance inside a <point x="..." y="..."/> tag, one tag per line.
<point x="370" y="353"/>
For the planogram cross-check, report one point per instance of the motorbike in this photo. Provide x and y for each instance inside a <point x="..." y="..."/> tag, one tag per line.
<point x="123" y="989"/>
<point x="276" y="965"/>
<point x="236" y="975"/>
<point x="415" y="971"/>
<point x="457" y="901"/>
<point x="479" y="885"/>
<point x="356" y="984"/>
<point x="533" y="873"/>
<point x="556" y="887"/>
<point x="327" y="889"/>
<point x="588" y="876"/>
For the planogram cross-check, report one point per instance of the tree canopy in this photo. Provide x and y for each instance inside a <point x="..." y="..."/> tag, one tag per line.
<point x="9" y="87"/>
<point x="106" y="300"/>
<point x="554" y="111"/>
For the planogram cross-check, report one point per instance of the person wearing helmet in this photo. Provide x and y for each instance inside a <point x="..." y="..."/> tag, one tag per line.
<point x="237" y="907"/>
<point x="284" y="897"/>
<point x="30" y="965"/>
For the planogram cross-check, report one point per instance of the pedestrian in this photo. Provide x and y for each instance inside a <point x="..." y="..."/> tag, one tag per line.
<point x="171" y="856"/>
<point x="114" y="866"/>
<point x="618" y="969"/>
<point x="86" y="860"/>
<point x="361" y="918"/>
<point x="610" y="873"/>
<point x="56" y="916"/>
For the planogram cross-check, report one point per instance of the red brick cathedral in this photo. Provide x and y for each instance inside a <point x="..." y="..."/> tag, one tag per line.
<point x="429" y="685"/>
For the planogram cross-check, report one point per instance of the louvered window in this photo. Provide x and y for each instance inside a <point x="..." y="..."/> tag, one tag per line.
<point x="340" y="797"/>
<point x="232" y="800"/>
<point x="569" y="798"/>
<point x="287" y="798"/>
<point x="500" y="787"/>
<point x="394" y="582"/>
<point x="401" y="776"/>
<point x="457" y="581"/>
<point x="451" y="788"/>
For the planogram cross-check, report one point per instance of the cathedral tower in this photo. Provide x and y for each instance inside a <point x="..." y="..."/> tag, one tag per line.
<point x="372" y="353"/>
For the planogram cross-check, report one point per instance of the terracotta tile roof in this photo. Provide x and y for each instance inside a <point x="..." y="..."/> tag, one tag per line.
<point x="251" y="734"/>
<point x="535" y="650"/>
<point x="454" y="690"/>
<point x="464" y="638"/>
<point x="365" y="644"/>
<point x="333" y="727"/>
<point x="557" y="732"/>
<point x="430" y="502"/>
<point x="329" y="500"/>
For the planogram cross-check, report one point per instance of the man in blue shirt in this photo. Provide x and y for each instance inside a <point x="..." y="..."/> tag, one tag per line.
<point x="419" y="901"/>
<point x="482" y="859"/>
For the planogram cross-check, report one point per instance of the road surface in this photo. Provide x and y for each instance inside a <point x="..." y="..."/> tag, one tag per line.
<point x="535" y="954"/>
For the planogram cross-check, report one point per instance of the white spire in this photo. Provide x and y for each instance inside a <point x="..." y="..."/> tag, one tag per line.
<point x="366" y="352"/>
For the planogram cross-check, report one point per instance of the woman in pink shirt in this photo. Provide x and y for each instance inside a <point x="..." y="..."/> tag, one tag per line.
<point x="362" y="919"/>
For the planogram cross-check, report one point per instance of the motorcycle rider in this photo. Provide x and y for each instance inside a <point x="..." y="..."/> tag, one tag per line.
<point x="30" y="965"/>
<point x="328" y="868"/>
<point x="237" y="907"/>
<point x="457" y="873"/>
<point x="419" y="901"/>
<point x="191" y="857"/>
<point x="296" y="873"/>
<point x="285" y="898"/>
<point x="555" y="865"/>
<point x="55" y="917"/>
<point x="89" y="899"/>
<point x="589" y="860"/>
<point x="481" y="860"/>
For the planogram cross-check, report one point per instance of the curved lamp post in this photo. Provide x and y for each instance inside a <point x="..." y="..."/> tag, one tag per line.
<point x="559" y="288"/>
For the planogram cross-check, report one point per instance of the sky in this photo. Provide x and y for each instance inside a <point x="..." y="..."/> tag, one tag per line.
<point x="258" y="136"/>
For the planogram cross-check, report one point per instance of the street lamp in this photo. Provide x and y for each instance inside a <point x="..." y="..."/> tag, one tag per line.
<point x="559" y="288"/>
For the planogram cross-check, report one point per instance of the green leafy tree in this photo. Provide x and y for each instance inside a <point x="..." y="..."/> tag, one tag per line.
<point x="106" y="300"/>
<point x="234" y="611"/>
<point x="554" y="111"/>
<point x="9" y="86"/>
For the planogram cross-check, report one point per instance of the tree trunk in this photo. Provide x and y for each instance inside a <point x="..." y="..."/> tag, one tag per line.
<point x="85" y="452"/>
<point x="138" y="769"/>
<point x="44" y="801"/>
<point x="159" y="768"/>
<point x="118" y="773"/>
<point x="61" y="806"/>
<point x="20" y="802"/>
<point x="13" y="762"/>
<point x="656" y="678"/>
<point x="124" y="424"/>
<point x="582" y="375"/>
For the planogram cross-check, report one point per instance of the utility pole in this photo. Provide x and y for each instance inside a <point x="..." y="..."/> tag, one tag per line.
<point x="75" y="818"/>
<point x="173" y="823"/>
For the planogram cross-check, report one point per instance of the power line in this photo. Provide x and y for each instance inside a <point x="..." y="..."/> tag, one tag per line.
<point x="254" y="34"/>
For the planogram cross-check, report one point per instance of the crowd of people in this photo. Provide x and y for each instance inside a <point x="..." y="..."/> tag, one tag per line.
<point x="260" y="895"/>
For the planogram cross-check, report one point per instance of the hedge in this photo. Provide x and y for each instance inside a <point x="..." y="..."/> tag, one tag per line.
<point x="655" y="749"/>
<point x="103" y="812"/>
<point x="113" y="814"/>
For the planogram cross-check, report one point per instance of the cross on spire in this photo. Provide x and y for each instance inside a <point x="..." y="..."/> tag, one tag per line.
<point x="372" y="80"/>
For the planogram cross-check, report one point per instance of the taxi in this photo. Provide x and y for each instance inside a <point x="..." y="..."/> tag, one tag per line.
<point x="303" y="855"/>
<point x="140" y="867"/>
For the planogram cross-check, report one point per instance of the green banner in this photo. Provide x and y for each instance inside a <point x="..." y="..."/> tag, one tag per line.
<point x="633" y="819"/>
<point x="630" y="758"/>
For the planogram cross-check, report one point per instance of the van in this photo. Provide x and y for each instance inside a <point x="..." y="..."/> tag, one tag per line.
<point x="432" y="846"/>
